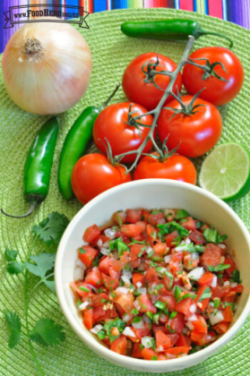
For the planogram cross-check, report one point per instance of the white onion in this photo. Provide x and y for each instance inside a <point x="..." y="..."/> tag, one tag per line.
<point x="96" y="329"/>
<point x="125" y="279"/>
<point x="46" y="67"/>
<point x="126" y="317"/>
<point x="79" y="273"/>
<point x="106" y="244"/>
<point x="189" y="325"/>
<point x="109" y="233"/>
<point x="128" y="332"/>
<point x="137" y="305"/>
<point x="187" y="241"/>
<point x="105" y="251"/>
<point x="221" y="245"/>
<point x="233" y="284"/>
<point x="138" y="284"/>
<point x="127" y="273"/>
<point x="193" y="308"/>
<point x="92" y="287"/>
<point x="148" y="249"/>
<point x="159" y="349"/>
<point x="146" y="319"/>
<point x="83" y="306"/>
<point x="80" y="263"/>
<point x="227" y="283"/>
<point x="215" y="318"/>
<point x="192" y="318"/>
<point x="99" y="243"/>
<point x="122" y="290"/>
<point x="222" y="259"/>
<point x="147" y="342"/>
<point x="196" y="273"/>
<point x="142" y="290"/>
<point x="138" y="325"/>
<point x="167" y="259"/>
<point x="195" y="256"/>
<point x="214" y="281"/>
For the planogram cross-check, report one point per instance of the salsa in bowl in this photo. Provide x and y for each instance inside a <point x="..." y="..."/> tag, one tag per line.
<point x="159" y="284"/>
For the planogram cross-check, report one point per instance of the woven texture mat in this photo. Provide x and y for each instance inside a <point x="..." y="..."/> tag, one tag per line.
<point x="111" y="53"/>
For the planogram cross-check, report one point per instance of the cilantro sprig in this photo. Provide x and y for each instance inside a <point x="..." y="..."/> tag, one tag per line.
<point x="45" y="332"/>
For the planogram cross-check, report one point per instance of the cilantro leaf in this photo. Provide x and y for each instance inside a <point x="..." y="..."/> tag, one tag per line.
<point x="218" y="268"/>
<point x="47" y="333"/>
<point x="206" y="294"/>
<point x="10" y="255"/>
<point x="14" y="325"/>
<point x="51" y="228"/>
<point x="43" y="263"/>
<point x="14" y="267"/>
<point x="236" y="276"/>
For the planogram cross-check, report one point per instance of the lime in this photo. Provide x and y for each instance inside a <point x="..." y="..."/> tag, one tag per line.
<point x="226" y="172"/>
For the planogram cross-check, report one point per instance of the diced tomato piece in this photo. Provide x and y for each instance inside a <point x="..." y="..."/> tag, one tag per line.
<point x="173" y="338"/>
<point x="184" y="306"/>
<point x="230" y="297"/>
<point x="170" y="301"/>
<point x="100" y="299"/>
<point x="178" y="350"/>
<point x="175" y="267"/>
<point x="237" y="289"/>
<point x="148" y="354"/>
<point x="131" y="230"/>
<point x="157" y="328"/>
<point x="75" y="286"/>
<point x="169" y="239"/>
<point x="145" y="214"/>
<point x="206" y="279"/>
<point x="117" y="265"/>
<point x="143" y="332"/>
<point x="110" y="314"/>
<point x="203" y="304"/>
<point x="125" y="258"/>
<point x="229" y="261"/>
<point x="163" y="319"/>
<point x="177" y="323"/>
<point x="119" y="217"/>
<point x="210" y="336"/>
<point x="177" y="256"/>
<point x="101" y="237"/>
<point x="120" y="345"/>
<point x="183" y="340"/>
<point x="143" y="226"/>
<point x="120" y="234"/>
<point x="189" y="224"/>
<point x="146" y="304"/>
<point x="227" y="313"/>
<point x="163" y="340"/>
<point x="94" y="277"/>
<point x="109" y="282"/>
<point x="161" y="357"/>
<point x="150" y="276"/>
<point x="87" y="254"/>
<point x="88" y="318"/>
<point x="133" y="215"/>
<point x="221" y="327"/>
<point x="200" y="325"/>
<point x="151" y="232"/>
<point x="91" y="233"/>
<point x="136" y="249"/>
<point x="211" y="255"/>
<point x="197" y="237"/>
<point x="126" y="301"/>
<point x="137" y="277"/>
<point x="136" y="352"/>
<point x="153" y="218"/>
<point x="217" y="292"/>
<point x="159" y="248"/>
<point x="104" y="264"/>
<point x="198" y="338"/>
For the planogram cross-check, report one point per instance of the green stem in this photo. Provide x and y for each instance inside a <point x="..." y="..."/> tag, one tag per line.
<point x="35" y="287"/>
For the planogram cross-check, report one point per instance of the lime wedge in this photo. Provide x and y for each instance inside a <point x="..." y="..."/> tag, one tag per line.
<point x="226" y="172"/>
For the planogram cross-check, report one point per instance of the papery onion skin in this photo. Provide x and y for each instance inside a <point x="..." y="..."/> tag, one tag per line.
<point x="54" y="77"/>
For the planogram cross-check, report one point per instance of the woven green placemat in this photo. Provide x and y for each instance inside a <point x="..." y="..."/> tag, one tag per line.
<point x="111" y="52"/>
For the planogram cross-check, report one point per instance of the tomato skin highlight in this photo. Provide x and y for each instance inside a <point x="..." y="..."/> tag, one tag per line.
<point x="145" y="93"/>
<point x="111" y="125"/>
<point x="93" y="174"/>
<point x="175" y="167"/>
<point x="195" y="134"/>
<point x="216" y="91"/>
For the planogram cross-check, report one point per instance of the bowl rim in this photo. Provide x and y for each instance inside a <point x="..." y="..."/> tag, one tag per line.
<point x="89" y="340"/>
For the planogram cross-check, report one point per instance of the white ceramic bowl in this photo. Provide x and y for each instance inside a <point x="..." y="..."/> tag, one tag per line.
<point x="152" y="193"/>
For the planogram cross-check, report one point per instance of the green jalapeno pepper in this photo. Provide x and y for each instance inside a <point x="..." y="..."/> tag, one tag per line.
<point x="38" y="165"/>
<point x="172" y="29"/>
<point x="75" y="145"/>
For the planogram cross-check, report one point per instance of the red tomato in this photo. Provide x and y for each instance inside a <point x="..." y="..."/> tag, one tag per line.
<point x="146" y="304"/>
<point x="189" y="224"/>
<point x="175" y="167"/>
<point x="87" y="254"/>
<point x="133" y="215"/>
<point x="120" y="345"/>
<point x="184" y="306"/>
<point x="93" y="174"/>
<point x="145" y="93"/>
<point x="91" y="234"/>
<point x="111" y="125"/>
<point x="163" y="340"/>
<point x="94" y="277"/>
<point x="211" y="255"/>
<point x="216" y="91"/>
<point x="193" y="134"/>
<point x="88" y="318"/>
<point x="131" y="230"/>
<point x="148" y="354"/>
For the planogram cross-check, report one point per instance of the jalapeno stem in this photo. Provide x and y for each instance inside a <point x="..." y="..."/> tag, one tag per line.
<point x="111" y="96"/>
<point x="29" y="212"/>
<point x="204" y="32"/>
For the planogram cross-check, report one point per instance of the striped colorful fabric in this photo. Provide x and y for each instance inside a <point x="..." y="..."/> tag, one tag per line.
<point x="237" y="11"/>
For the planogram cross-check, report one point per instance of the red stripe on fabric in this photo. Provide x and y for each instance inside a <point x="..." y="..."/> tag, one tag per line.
<point x="215" y="8"/>
<point x="91" y="6"/>
<point x="149" y="4"/>
<point x="187" y="5"/>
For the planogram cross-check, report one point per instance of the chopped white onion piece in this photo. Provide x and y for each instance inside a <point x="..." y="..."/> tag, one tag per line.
<point x="92" y="287"/>
<point x="138" y="284"/>
<point x="110" y="233"/>
<point x="196" y="273"/>
<point x="167" y="259"/>
<point x="181" y="247"/>
<point x="138" y="325"/>
<point x="187" y="241"/>
<point x="105" y="251"/>
<point x="192" y="318"/>
<point x="78" y="273"/>
<point x="189" y="325"/>
<point x="146" y="319"/>
<point x="159" y="349"/>
<point x="99" y="243"/>
<point x="142" y="290"/>
<point x="214" y="281"/>
<point x="106" y="244"/>
<point x="161" y="270"/>
<point x="96" y="329"/>
<point x="215" y="318"/>
<point x="83" y="306"/>
<point x="234" y="284"/>
<point x="80" y="264"/>
<point x="122" y="290"/>
<point x="126" y="317"/>
<point x="125" y="279"/>
<point x="148" y="249"/>
<point x="193" y="308"/>
<point x="227" y="283"/>
<point x="128" y="332"/>
<point x="137" y="305"/>
<point x="127" y="273"/>
<point x="147" y="342"/>
<point x="222" y="259"/>
<point x="221" y="245"/>
<point x="195" y="256"/>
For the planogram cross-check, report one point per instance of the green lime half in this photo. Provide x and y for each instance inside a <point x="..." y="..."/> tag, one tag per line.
<point x="226" y="172"/>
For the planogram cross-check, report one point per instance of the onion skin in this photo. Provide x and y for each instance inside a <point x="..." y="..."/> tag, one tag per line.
<point x="51" y="77"/>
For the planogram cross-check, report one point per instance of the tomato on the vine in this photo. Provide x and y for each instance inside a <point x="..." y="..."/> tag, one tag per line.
<point x="140" y="81"/>
<point x="217" y="91"/>
<point x="174" y="167"/>
<point x="94" y="174"/>
<point x="113" y="124"/>
<point x="194" y="132"/>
